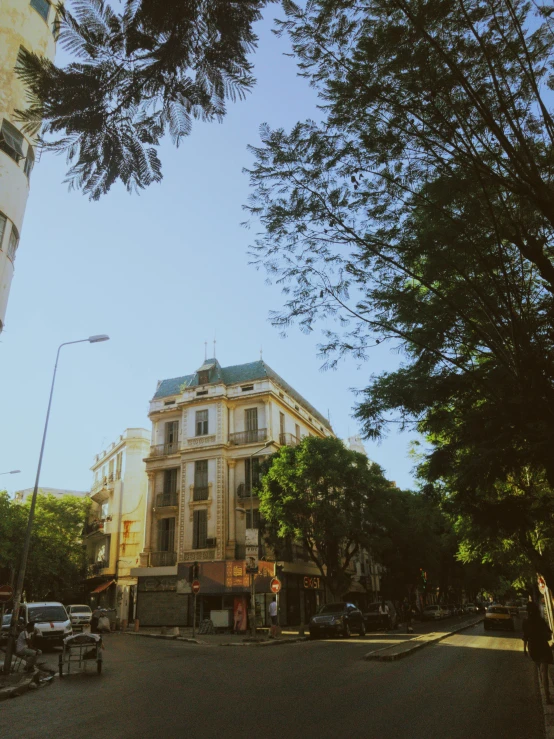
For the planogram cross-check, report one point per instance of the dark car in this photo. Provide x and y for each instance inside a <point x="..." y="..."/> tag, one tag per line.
<point x="374" y="620"/>
<point x="498" y="617"/>
<point x="335" y="619"/>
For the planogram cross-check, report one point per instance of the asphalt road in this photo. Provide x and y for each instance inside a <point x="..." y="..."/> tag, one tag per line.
<point x="470" y="685"/>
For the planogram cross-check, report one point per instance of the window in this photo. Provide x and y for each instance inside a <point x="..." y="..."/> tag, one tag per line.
<point x="202" y="392"/>
<point x="296" y="408"/>
<point x="201" y="488"/>
<point x="251" y="465"/>
<point x="169" y="402"/>
<point x="105" y="508"/>
<point x="203" y="377"/>
<point x="256" y="519"/>
<point x="170" y="481"/>
<point x="199" y="529"/>
<point x="42" y="7"/>
<point x="29" y="162"/>
<point x="246" y="388"/>
<point x="119" y="466"/>
<point x="166" y="535"/>
<point x="20" y="57"/>
<point x="201" y="423"/>
<point x="281" y="423"/>
<point x="297" y="431"/>
<point x="56" y="27"/>
<point x="171" y="436"/>
<point x="251" y="419"/>
<point x="3" y="221"/>
<point x="13" y="243"/>
<point x="11" y="141"/>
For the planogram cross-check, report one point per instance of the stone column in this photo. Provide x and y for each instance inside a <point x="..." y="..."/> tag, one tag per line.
<point x="231" y="538"/>
<point x="231" y="408"/>
<point x="268" y="424"/>
<point x="149" y="513"/>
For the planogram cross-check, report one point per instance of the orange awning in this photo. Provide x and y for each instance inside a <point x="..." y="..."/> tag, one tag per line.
<point x="103" y="586"/>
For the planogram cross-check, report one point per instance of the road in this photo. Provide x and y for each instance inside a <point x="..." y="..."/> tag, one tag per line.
<point x="469" y="685"/>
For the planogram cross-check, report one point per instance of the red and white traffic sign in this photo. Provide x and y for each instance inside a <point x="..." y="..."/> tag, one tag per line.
<point x="275" y="585"/>
<point x="542" y="584"/>
<point x="195" y="586"/>
<point x="6" y="593"/>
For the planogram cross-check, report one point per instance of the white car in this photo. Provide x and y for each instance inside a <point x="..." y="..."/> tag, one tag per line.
<point x="433" y="613"/>
<point x="52" y="624"/>
<point x="79" y="615"/>
<point x="471" y="607"/>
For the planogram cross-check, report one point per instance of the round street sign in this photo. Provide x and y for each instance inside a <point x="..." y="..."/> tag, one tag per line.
<point x="542" y="584"/>
<point x="195" y="586"/>
<point x="275" y="585"/>
<point x="6" y="592"/>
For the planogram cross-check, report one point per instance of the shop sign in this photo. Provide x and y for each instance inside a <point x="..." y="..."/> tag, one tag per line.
<point x="157" y="584"/>
<point x="312" y="583"/>
<point x="252" y="538"/>
<point x="252" y="558"/>
<point x="236" y="575"/>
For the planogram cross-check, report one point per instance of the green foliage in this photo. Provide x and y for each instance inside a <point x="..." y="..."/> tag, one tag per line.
<point x="138" y="74"/>
<point x="323" y="495"/>
<point x="419" y="212"/>
<point x="57" y="558"/>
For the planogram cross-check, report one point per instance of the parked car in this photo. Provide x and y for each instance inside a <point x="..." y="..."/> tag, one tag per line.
<point x="5" y="628"/>
<point x="79" y="615"/>
<point x="498" y="617"/>
<point x="52" y="624"/>
<point x="432" y="613"/>
<point x="373" y="620"/>
<point x="333" y="619"/>
<point x="514" y="610"/>
<point x="471" y="608"/>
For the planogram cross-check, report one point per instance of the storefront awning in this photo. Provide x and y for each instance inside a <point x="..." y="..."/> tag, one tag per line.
<point x="103" y="586"/>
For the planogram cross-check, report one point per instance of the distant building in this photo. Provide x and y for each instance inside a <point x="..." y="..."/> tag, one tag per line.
<point x="24" y="25"/>
<point x="22" y="495"/>
<point x="114" y="535"/>
<point x="356" y="445"/>
<point x="209" y="431"/>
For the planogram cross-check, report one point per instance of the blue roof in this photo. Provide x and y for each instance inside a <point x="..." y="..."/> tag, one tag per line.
<point x="234" y="375"/>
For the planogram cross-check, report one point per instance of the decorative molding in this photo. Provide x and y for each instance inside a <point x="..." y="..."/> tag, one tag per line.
<point x="182" y="519"/>
<point x="220" y="517"/>
<point x="219" y="421"/>
<point x="201" y="440"/>
<point x="232" y="463"/>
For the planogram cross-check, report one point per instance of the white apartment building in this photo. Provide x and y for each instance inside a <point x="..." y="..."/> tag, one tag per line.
<point x="114" y="535"/>
<point x="28" y="25"/>
<point x="209" y="431"/>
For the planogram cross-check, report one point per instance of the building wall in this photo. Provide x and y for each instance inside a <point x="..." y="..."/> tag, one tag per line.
<point x="20" y="25"/>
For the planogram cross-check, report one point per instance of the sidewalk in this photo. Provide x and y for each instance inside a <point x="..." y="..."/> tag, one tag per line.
<point x="288" y="636"/>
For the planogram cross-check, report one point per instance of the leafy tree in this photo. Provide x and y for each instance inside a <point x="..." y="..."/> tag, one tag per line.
<point x="325" y="496"/>
<point x="138" y="74"/>
<point x="57" y="558"/>
<point x="416" y="212"/>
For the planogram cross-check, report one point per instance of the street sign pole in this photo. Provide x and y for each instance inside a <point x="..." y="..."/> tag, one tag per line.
<point x="194" y="618"/>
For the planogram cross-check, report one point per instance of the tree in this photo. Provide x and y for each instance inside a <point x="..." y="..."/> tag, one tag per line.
<point x="57" y="558"/>
<point x="137" y="74"/>
<point x="325" y="496"/>
<point x="416" y="212"/>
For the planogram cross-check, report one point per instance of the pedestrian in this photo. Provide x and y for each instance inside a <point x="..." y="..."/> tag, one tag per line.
<point x="239" y="613"/>
<point x="536" y="637"/>
<point x="24" y="646"/>
<point x="408" y="616"/>
<point x="384" y="612"/>
<point x="96" y="615"/>
<point x="273" y="618"/>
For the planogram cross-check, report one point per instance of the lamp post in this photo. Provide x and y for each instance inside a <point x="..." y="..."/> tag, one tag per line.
<point x="25" y="553"/>
<point x="253" y="583"/>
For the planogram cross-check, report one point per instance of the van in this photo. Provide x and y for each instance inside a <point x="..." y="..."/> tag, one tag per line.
<point x="52" y="624"/>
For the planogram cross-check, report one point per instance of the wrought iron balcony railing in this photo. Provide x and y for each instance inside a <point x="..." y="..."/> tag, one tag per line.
<point x="163" y="559"/>
<point x="288" y="440"/>
<point x="161" y="450"/>
<point x="164" y="500"/>
<point x="201" y="492"/>
<point x="243" y="490"/>
<point x="253" y="436"/>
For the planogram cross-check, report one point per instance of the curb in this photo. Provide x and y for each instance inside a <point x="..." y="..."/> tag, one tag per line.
<point x="167" y="637"/>
<point x="267" y="643"/>
<point x="418" y="643"/>
<point x="18" y="689"/>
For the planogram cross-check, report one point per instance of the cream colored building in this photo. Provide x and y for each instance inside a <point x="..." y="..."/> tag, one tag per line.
<point x="114" y="535"/>
<point x="29" y="25"/>
<point x="209" y="432"/>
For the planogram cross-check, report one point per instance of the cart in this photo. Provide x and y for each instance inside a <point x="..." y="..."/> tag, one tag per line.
<point x="80" y="650"/>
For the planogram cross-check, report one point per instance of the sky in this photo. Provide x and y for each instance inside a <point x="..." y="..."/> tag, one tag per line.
<point x="161" y="273"/>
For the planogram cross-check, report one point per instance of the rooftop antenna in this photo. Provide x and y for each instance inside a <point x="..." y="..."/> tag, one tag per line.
<point x="214" y="346"/>
<point x="205" y="350"/>
<point x="261" y="352"/>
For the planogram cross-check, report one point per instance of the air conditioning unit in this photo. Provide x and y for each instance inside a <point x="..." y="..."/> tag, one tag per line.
<point x="210" y="543"/>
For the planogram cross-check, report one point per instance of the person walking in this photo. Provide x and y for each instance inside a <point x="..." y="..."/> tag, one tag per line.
<point x="24" y="646"/>
<point x="384" y="611"/>
<point x="536" y="637"/>
<point x="96" y="616"/>
<point x="273" y="618"/>
<point x="407" y="608"/>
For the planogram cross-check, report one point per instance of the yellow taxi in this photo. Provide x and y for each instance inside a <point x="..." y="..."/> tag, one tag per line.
<point x="498" y="617"/>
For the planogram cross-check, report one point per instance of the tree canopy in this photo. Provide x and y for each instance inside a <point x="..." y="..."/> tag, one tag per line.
<point x="416" y="212"/>
<point x="137" y="74"/>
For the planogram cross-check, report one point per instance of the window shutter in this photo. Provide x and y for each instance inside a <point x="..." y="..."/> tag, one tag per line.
<point x="203" y="529"/>
<point x="251" y="419"/>
<point x="161" y="535"/>
<point x="159" y="483"/>
<point x="3" y="221"/>
<point x="171" y="535"/>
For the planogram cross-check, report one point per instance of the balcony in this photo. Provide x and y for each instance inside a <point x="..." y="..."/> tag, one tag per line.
<point x="162" y="450"/>
<point x="166" y="500"/>
<point x="97" y="524"/>
<point x="201" y="492"/>
<point x="95" y="568"/>
<point x="254" y="436"/>
<point x="163" y="559"/>
<point x="288" y="440"/>
<point x="243" y="491"/>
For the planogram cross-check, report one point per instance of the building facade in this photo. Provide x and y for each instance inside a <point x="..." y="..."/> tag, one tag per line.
<point x="209" y="431"/>
<point x="24" y="25"/>
<point x="114" y="534"/>
<point x="20" y="496"/>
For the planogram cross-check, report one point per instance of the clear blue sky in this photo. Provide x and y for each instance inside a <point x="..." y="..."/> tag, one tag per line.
<point x="160" y="273"/>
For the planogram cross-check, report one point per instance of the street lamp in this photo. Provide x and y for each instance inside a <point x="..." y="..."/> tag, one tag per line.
<point x="253" y="583"/>
<point x="23" y="563"/>
<point x="11" y="472"/>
